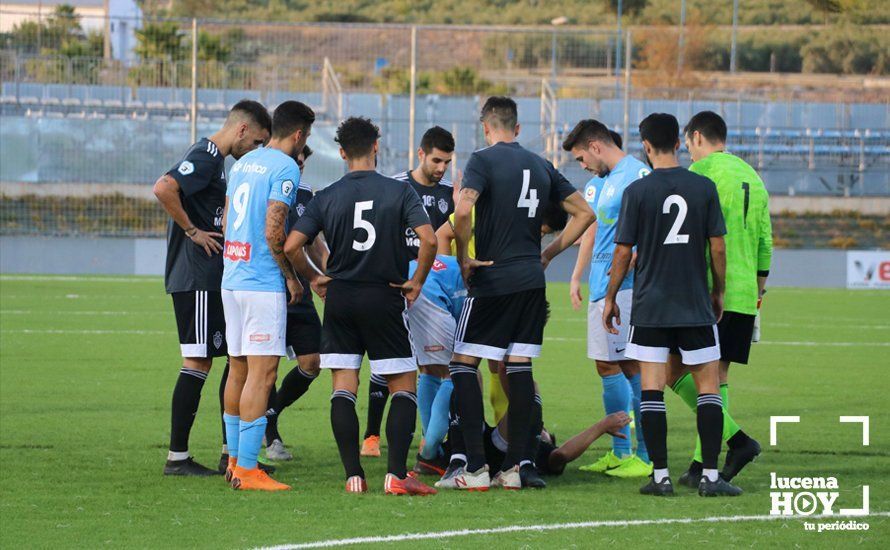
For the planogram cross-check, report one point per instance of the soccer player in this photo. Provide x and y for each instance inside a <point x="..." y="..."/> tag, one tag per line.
<point x="256" y="280"/>
<point x="428" y="180"/>
<point x="673" y="217"/>
<point x="503" y="317"/>
<point x="745" y="206"/>
<point x="367" y="292"/>
<point x="303" y="331"/>
<point x="194" y="193"/>
<point x="595" y="149"/>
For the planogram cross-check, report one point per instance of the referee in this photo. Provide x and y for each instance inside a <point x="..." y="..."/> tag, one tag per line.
<point x="193" y="192"/>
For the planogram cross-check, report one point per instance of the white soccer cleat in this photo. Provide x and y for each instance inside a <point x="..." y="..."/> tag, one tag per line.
<point x="276" y="451"/>
<point x="447" y="481"/>
<point x="473" y="481"/>
<point x="509" y="479"/>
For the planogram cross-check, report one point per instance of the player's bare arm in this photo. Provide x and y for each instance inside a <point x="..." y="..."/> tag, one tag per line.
<point x="444" y="236"/>
<point x="463" y="229"/>
<point x="167" y="191"/>
<point x="426" y="254"/>
<point x="276" y="216"/>
<point x="718" y="273"/>
<point x="581" y="218"/>
<point x="585" y="252"/>
<point x="575" y="447"/>
<point x="620" y="265"/>
<point x="294" y="250"/>
<point x="319" y="253"/>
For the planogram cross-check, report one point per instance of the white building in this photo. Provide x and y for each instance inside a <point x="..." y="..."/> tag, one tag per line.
<point x="124" y="17"/>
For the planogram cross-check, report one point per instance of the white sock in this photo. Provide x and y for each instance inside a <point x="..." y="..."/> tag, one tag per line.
<point x="460" y="457"/>
<point x="710" y="474"/>
<point x="524" y="462"/>
<point x="177" y="455"/>
<point x="225" y="449"/>
<point x="659" y="474"/>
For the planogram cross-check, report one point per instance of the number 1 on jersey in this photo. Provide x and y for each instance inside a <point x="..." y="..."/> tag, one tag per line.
<point x="528" y="198"/>
<point x="674" y="236"/>
<point x="360" y="223"/>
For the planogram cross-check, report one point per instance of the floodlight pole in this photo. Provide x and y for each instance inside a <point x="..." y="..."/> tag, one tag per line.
<point x="627" y="61"/>
<point x="682" y="44"/>
<point x="735" y="28"/>
<point x="412" y="100"/>
<point x="194" y="110"/>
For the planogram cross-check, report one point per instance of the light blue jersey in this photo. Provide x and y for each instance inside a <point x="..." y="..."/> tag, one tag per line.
<point x="607" y="204"/>
<point x="260" y="176"/>
<point x="444" y="285"/>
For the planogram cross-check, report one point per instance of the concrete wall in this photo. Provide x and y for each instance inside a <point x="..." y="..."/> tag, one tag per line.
<point x="71" y="255"/>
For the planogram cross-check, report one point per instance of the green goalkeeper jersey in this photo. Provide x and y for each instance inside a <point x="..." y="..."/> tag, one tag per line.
<point x="749" y="235"/>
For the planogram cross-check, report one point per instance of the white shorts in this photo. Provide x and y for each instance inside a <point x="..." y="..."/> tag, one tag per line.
<point x="432" y="332"/>
<point x="256" y="322"/>
<point x="601" y="344"/>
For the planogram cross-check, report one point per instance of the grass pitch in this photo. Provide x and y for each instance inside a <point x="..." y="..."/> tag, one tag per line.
<point x="87" y="366"/>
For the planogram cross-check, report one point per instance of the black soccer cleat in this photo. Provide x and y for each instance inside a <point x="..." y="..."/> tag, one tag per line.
<point x="530" y="477"/>
<point x="188" y="467"/>
<point x="662" y="489"/>
<point x="431" y="467"/>
<point x="719" y="488"/>
<point x="738" y="458"/>
<point x="690" y="479"/>
<point x="224" y="463"/>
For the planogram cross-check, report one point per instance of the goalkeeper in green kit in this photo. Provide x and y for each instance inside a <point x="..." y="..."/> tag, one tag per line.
<point x="749" y="245"/>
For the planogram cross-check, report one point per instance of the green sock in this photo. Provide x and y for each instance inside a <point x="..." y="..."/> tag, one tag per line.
<point x="724" y="393"/>
<point x="685" y="388"/>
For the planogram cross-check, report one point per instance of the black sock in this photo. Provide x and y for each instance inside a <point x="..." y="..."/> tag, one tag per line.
<point x="400" y="431"/>
<point x="737" y="440"/>
<point x="654" y="426"/>
<point x="271" y="417"/>
<point x="710" y="428"/>
<point x="695" y="467"/>
<point x="455" y="435"/>
<point x="186" y="397"/>
<point x="537" y="424"/>
<point x="470" y="411"/>
<point x="222" y="399"/>
<point x="344" y="422"/>
<point x="378" y="392"/>
<point x="294" y="385"/>
<point x="519" y="412"/>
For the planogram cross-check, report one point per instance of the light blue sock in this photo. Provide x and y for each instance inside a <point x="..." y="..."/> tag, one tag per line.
<point x="427" y="386"/>
<point x="616" y="397"/>
<point x="438" y="426"/>
<point x="635" y="388"/>
<point x="251" y="439"/>
<point x="232" y="428"/>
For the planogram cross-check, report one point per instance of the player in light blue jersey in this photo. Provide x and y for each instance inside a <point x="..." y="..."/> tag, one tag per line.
<point x="598" y="150"/>
<point x="261" y="190"/>
<point x="433" y="320"/>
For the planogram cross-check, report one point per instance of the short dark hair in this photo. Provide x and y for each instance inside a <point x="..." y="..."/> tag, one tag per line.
<point x="709" y="124"/>
<point x="307" y="152"/>
<point x="356" y="135"/>
<point x="661" y="130"/>
<point x="500" y="111"/>
<point x="616" y="137"/>
<point x="585" y="131"/>
<point x="554" y="216"/>
<point x="291" y="116"/>
<point x="255" y="111"/>
<point x="437" y="138"/>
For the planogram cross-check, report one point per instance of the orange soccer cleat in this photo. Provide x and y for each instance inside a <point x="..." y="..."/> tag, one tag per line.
<point x="255" y="480"/>
<point x="408" y="486"/>
<point x="356" y="484"/>
<point x="371" y="446"/>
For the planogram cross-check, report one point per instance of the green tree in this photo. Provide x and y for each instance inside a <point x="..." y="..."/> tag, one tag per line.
<point x="628" y="7"/>
<point x="160" y="41"/>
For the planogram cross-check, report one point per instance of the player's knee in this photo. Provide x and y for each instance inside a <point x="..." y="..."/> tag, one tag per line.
<point x="607" y="368"/>
<point x="310" y="364"/>
<point x="197" y="363"/>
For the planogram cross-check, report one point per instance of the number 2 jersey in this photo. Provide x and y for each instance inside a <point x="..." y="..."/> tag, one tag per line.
<point x="670" y="215"/>
<point x="263" y="175"/>
<point x="514" y="187"/>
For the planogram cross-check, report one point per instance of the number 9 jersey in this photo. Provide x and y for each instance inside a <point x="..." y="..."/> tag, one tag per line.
<point x="260" y="176"/>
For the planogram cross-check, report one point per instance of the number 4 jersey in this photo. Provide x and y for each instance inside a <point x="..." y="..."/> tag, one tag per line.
<point x="260" y="176"/>
<point x="670" y="215"/>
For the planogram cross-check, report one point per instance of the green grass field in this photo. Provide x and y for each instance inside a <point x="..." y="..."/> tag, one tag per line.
<point x="87" y="366"/>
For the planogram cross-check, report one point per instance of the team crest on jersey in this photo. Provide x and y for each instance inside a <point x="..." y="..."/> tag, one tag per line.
<point x="443" y="206"/>
<point x="300" y="209"/>
<point x="439" y="266"/>
<point x="186" y="168"/>
<point x="237" y="252"/>
<point x="217" y="339"/>
<point x="590" y="192"/>
<point x="287" y="187"/>
<point x="644" y="172"/>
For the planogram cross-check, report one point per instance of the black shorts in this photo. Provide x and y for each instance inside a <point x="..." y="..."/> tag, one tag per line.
<point x="736" y="331"/>
<point x="367" y="318"/>
<point x="492" y="327"/>
<point x="201" y="323"/>
<point x="696" y="345"/>
<point x="303" y="335"/>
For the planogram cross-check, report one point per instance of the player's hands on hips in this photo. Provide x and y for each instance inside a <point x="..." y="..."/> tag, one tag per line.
<point x="410" y="290"/>
<point x="717" y="304"/>
<point x="613" y="424"/>
<point x="319" y="285"/>
<point x="207" y="241"/>
<point x="295" y="289"/>
<point x="610" y="311"/>
<point x="545" y="261"/>
<point x="469" y="266"/>
<point x="575" y="294"/>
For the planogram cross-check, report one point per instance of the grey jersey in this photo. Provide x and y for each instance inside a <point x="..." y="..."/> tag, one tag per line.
<point x="362" y="216"/>
<point x="438" y="201"/>
<point x="514" y="188"/>
<point x="201" y="175"/>
<point x="670" y="215"/>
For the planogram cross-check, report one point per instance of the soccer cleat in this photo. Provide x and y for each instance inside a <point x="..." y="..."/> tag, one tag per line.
<point x="392" y="485"/>
<point x="431" y="467"/>
<point x="356" y="484"/>
<point x="232" y="461"/>
<point x="276" y="451"/>
<point x="719" y="488"/>
<point x="529" y="477"/>
<point x="187" y="467"/>
<point x="473" y="481"/>
<point x="690" y="478"/>
<point x="224" y="465"/>
<point x="508" y="479"/>
<point x="255" y="480"/>
<point x="633" y="467"/>
<point x="663" y="489"/>
<point x="455" y="469"/>
<point x="607" y="462"/>
<point x="371" y="446"/>
<point x="738" y="458"/>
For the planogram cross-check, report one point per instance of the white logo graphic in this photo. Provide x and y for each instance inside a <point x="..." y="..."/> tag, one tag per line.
<point x="590" y="192"/>
<point x="287" y="186"/>
<point x="186" y="168"/>
<point x="443" y="206"/>
<point x="217" y="339"/>
<point x="643" y="173"/>
<point x="300" y="209"/>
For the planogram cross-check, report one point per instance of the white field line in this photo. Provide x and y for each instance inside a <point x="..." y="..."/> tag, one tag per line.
<point x="549" y="527"/>
<point x="80" y="279"/>
<point x="769" y="324"/>
<point x="56" y="313"/>
<point x="762" y="343"/>
<point x="85" y="331"/>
